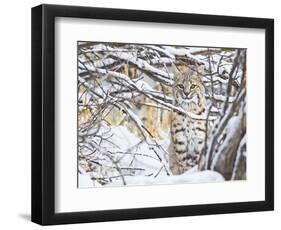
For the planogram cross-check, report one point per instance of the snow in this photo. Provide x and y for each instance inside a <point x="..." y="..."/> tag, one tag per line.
<point x="102" y="47"/>
<point x="223" y="98"/>
<point x="142" y="156"/>
<point x="85" y="180"/>
<point x="215" y="79"/>
<point x="239" y="153"/>
<point x="140" y="86"/>
<point x="127" y="154"/>
<point x="142" y="64"/>
<point x="164" y="51"/>
<point x="104" y="62"/>
<point x="230" y="129"/>
<point x="177" y="51"/>
<point x="184" y="52"/>
<point x="162" y="60"/>
<point x="186" y="178"/>
<point x="194" y="177"/>
<point x="193" y="50"/>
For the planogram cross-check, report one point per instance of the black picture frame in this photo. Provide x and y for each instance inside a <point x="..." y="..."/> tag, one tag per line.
<point x="43" y="114"/>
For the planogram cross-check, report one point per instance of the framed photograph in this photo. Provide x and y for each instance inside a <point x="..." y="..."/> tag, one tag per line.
<point x="142" y="114"/>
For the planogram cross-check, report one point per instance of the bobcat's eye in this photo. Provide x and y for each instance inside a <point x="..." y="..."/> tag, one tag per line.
<point x="192" y="86"/>
<point x="180" y="86"/>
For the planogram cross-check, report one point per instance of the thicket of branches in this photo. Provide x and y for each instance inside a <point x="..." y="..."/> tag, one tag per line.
<point x="120" y="79"/>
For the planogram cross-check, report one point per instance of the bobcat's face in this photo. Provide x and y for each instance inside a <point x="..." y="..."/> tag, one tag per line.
<point x="188" y="90"/>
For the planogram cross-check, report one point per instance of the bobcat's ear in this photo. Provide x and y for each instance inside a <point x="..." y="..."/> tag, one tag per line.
<point x="176" y="73"/>
<point x="201" y="69"/>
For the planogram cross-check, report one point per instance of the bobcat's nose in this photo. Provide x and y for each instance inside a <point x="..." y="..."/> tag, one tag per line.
<point x="187" y="95"/>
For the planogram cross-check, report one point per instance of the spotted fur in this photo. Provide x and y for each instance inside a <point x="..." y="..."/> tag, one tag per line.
<point x="187" y="134"/>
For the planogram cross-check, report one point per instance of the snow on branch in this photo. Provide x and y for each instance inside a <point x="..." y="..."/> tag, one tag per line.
<point x="142" y="88"/>
<point x="160" y="75"/>
<point x="125" y="101"/>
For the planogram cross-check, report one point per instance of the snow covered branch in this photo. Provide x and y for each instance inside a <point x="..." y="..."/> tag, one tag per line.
<point x="125" y="101"/>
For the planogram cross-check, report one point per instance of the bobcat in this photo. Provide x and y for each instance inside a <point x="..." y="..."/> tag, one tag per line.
<point x="187" y="134"/>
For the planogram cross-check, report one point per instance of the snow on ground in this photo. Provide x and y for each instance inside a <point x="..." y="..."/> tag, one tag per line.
<point x="117" y="154"/>
<point x="188" y="177"/>
<point x="194" y="177"/>
<point x="141" y="155"/>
